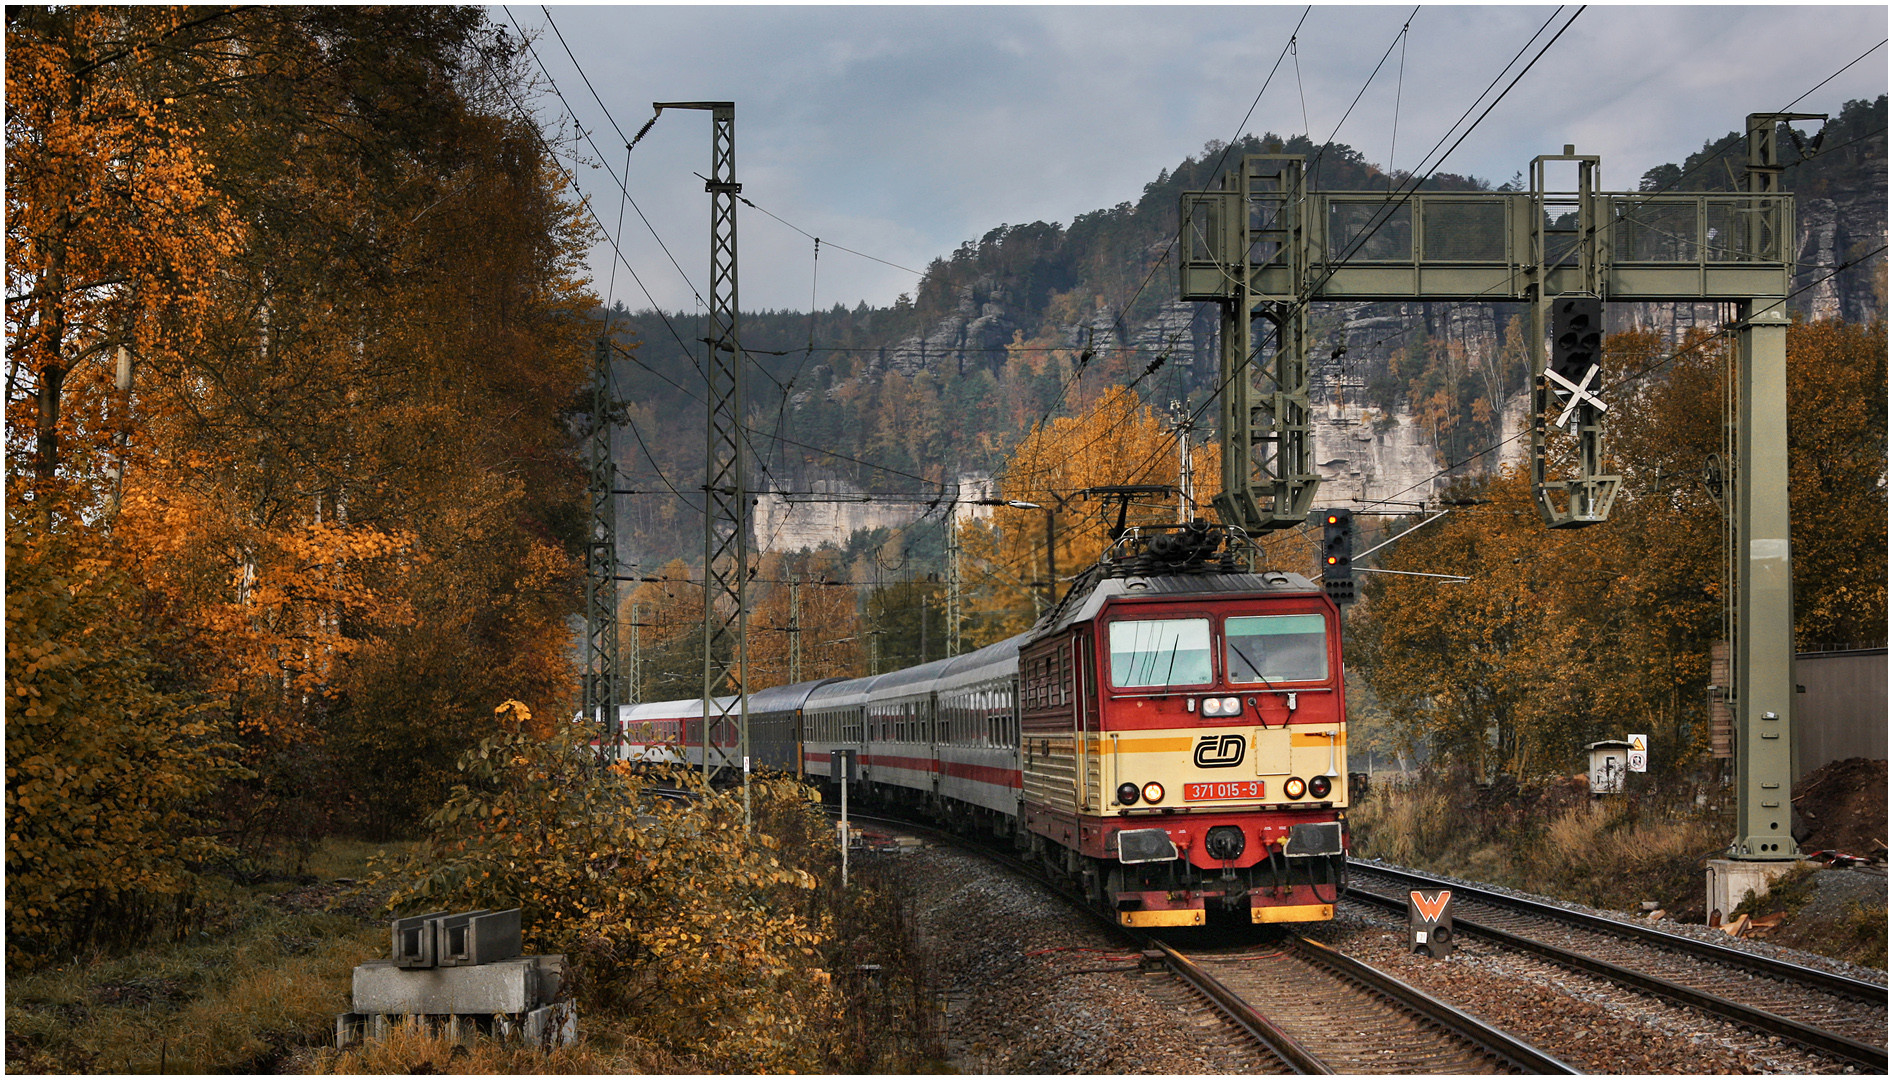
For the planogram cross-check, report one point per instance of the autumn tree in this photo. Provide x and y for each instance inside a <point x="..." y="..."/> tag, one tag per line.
<point x="1560" y="637"/>
<point x="697" y="921"/>
<point x="670" y="640"/>
<point x="109" y="759"/>
<point x="1116" y="441"/>
<point x="257" y="382"/>
<point x="805" y="596"/>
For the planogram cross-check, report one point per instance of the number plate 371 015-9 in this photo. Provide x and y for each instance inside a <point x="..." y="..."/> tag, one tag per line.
<point x="1226" y="789"/>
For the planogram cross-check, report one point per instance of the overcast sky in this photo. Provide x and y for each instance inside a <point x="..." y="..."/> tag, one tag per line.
<point x="901" y="131"/>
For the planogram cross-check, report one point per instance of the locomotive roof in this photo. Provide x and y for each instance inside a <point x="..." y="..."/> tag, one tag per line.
<point x="1168" y="586"/>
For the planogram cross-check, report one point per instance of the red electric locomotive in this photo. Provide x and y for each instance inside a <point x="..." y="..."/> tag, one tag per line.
<point x="1183" y="736"/>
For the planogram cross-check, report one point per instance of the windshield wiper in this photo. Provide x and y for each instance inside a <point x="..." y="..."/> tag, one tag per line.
<point x="1237" y="649"/>
<point x="1173" y="660"/>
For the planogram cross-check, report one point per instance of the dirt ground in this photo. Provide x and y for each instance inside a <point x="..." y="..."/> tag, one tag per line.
<point x="1844" y="803"/>
<point x="1842" y="911"/>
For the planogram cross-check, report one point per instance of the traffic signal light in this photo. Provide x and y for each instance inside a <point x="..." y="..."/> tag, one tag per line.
<point x="1337" y="555"/>
<point x="1577" y="336"/>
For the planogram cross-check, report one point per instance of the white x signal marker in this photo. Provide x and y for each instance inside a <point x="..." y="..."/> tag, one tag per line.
<point x="1579" y="391"/>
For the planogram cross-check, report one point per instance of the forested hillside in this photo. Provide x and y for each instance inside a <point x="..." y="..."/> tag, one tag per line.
<point x="1038" y="319"/>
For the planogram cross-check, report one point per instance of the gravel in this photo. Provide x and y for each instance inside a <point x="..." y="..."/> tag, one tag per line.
<point x="1029" y="986"/>
<point x="1024" y="982"/>
<point x="1835" y="888"/>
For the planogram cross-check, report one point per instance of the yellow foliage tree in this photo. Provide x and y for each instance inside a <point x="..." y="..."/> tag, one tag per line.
<point x="1566" y="636"/>
<point x="1117" y="441"/>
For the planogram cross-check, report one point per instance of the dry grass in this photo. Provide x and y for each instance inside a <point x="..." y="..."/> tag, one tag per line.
<point x="259" y="991"/>
<point x="1551" y="840"/>
<point x="1608" y="855"/>
<point x="273" y="976"/>
<point x="412" y="1049"/>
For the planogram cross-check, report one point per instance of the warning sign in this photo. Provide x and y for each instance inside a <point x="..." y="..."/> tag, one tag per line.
<point x="1639" y="752"/>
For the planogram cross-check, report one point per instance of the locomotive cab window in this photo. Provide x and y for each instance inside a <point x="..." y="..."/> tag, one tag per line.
<point x="1276" y="648"/>
<point x="1160" y="652"/>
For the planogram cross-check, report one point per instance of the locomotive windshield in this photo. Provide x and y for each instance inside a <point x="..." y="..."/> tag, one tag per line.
<point x="1160" y="652"/>
<point x="1277" y="648"/>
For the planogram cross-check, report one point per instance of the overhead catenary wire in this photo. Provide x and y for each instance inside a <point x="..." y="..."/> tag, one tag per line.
<point x="1407" y="192"/>
<point x="748" y="432"/>
<point x="810" y="350"/>
<point x="1636" y="376"/>
<point x="1221" y="159"/>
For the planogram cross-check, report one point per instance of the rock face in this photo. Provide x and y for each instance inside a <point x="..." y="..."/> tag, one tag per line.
<point x="830" y="511"/>
<point x="979" y="328"/>
<point x="1368" y="456"/>
<point x="1831" y="232"/>
<point x="1365" y="450"/>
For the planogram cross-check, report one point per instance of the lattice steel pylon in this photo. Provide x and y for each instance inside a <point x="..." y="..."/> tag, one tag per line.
<point x="726" y="502"/>
<point x="1253" y="233"/>
<point x="599" y="695"/>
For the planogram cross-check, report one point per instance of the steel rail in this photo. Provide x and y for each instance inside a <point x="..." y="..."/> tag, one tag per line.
<point x="1839" y="985"/>
<point x="1257" y="1026"/>
<point x="1516" y="1052"/>
<point x="1241" y="1013"/>
<point x="1873" y="1058"/>
<point x="1244" y="1016"/>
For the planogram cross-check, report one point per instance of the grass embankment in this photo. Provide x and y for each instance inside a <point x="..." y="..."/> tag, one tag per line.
<point x="258" y="986"/>
<point x="1612" y="853"/>
<point x="1554" y="840"/>
<point x="265" y="973"/>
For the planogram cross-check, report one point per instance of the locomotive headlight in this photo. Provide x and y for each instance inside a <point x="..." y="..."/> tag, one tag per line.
<point x="1127" y="793"/>
<point x="1320" y="786"/>
<point x="1294" y="788"/>
<point x="1153" y="792"/>
<point x="1232" y="706"/>
<point x="1212" y="706"/>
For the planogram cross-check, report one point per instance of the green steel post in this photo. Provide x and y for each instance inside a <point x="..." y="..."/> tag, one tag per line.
<point x="1764" y="653"/>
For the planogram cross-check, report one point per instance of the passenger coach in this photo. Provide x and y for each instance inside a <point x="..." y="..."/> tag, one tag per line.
<point x="1172" y="735"/>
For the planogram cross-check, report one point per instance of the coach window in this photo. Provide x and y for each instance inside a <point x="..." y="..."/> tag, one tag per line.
<point x="1276" y="648"/>
<point x="1160" y="652"/>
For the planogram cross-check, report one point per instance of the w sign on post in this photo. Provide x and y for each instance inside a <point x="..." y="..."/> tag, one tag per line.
<point x="1430" y="922"/>
<point x="1639" y="752"/>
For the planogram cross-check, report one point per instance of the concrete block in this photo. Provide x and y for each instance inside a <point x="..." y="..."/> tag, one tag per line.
<point x="518" y="985"/>
<point x="546" y="1026"/>
<point x="414" y="940"/>
<point x="1730" y="880"/>
<point x="477" y="937"/>
<point x="350" y="1028"/>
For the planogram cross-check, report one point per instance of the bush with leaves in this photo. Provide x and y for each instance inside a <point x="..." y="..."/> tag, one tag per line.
<point x="104" y="761"/>
<point x="671" y="912"/>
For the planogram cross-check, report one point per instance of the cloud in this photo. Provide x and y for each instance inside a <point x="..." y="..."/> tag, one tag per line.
<point x="903" y="131"/>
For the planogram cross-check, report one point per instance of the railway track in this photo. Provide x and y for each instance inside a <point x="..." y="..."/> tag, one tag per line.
<point x="1299" y="1006"/>
<point x="1309" y="1006"/>
<point x="1833" y="1015"/>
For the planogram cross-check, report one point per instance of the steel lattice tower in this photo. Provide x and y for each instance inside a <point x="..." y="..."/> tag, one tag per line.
<point x="726" y="502"/>
<point x="599" y="697"/>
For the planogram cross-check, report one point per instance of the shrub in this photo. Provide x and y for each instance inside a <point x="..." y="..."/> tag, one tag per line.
<point x="668" y="912"/>
<point x="104" y="764"/>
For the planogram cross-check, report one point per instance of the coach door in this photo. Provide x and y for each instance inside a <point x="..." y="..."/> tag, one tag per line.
<point x="936" y="734"/>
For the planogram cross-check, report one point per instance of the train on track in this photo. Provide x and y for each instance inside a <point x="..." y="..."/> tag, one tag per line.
<point x="1171" y="735"/>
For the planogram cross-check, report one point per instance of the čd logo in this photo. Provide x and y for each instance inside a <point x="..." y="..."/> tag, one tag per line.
<point x="1219" y="751"/>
